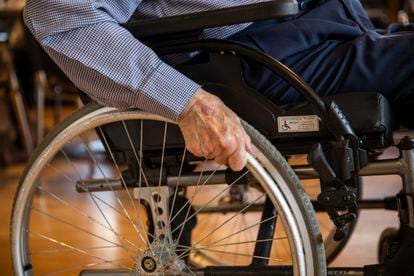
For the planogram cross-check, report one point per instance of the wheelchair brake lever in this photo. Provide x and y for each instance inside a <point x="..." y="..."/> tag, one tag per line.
<point x="338" y="199"/>
<point x="342" y="222"/>
<point x="317" y="159"/>
<point x="342" y="209"/>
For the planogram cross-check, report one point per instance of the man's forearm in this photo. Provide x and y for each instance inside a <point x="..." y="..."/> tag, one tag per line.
<point x="105" y="60"/>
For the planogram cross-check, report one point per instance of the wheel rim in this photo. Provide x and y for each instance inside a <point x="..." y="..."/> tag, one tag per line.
<point x="23" y="234"/>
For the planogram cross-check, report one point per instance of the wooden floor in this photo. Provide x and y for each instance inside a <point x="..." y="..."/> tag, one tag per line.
<point x="360" y="250"/>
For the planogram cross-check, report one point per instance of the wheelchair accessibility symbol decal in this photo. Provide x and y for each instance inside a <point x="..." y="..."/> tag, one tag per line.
<point x="307" y="123"/>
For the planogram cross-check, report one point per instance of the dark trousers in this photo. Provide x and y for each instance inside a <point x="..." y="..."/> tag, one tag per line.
<point x="335" y="48"/>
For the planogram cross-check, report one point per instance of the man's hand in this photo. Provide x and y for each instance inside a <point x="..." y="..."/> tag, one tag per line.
<point x="213" y="131"/>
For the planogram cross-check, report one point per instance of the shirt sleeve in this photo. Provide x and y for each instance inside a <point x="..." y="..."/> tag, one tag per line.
<point x="103" y="59"/>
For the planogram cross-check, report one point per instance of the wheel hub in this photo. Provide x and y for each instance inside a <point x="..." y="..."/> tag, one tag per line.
<point x="160" y="259"/>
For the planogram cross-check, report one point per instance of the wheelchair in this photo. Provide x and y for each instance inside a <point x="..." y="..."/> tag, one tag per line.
<point x="149" y="207"/>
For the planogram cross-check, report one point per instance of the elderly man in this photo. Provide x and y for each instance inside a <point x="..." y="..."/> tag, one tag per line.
<point x="331" y="44"/>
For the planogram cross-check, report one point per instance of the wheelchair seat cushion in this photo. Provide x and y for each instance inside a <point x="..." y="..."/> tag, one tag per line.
<point x="369" y="114"/>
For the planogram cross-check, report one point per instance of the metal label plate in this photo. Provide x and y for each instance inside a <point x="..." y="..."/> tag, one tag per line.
<point x="305" y="123"/>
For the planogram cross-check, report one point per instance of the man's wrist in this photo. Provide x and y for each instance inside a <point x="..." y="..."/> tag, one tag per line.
<point x="197" y="98"/>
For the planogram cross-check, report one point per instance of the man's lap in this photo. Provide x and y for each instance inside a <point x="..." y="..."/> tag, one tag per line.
<point x="341" y="56"/>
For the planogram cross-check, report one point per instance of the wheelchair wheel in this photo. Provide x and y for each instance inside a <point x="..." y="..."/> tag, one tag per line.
<point x="136" y="215"/>
<point x="388" y="243"/>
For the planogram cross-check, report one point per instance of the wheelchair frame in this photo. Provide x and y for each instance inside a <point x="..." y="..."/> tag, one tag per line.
<point x="402" y="166"/>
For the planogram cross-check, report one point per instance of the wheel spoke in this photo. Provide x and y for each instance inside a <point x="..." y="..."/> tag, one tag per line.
<point x="138" y="159"/>
<point x="211" y="200"/>
<point x="177" y="184"/>
<point x="242" y="230"/>
<point x="107" y="182"/>
<point x="226" y="221"/>
<point x="236" y="254"/>
<point x="144" y="239"/>
<point x="93" y="248"/>
<point x="71" y="247"/>
<point x="141" y="170"/>
<point x="85" y="189"/>
<point x="192" y="199"/>
<point x="208" y="247"/>
<point x="80" y="229"/>
<point x="188" y="202"/>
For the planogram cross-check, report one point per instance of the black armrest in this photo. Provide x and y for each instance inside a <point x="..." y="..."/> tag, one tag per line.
<point x="214" y="18"/>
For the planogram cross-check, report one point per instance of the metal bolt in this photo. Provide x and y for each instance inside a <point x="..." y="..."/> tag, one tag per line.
<point x="148" y="264"/>
<point x="347" y="197"/>
<point x="327" y="198"/>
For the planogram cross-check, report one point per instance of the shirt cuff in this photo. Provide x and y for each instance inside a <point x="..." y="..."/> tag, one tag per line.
<point x="167" y="92"/>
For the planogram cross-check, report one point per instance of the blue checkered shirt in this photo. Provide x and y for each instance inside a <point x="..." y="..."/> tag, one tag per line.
<point x="103" y="59"/>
